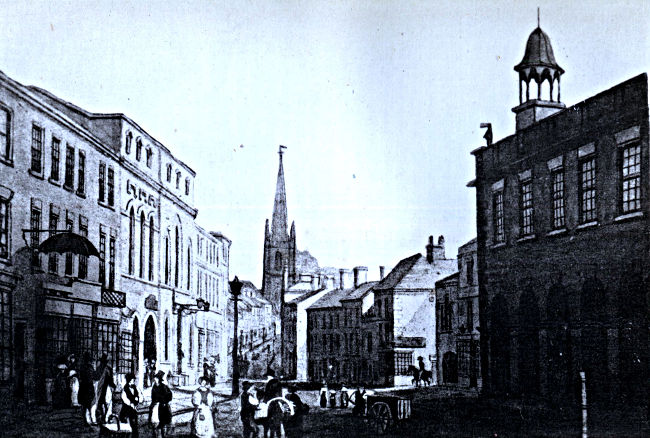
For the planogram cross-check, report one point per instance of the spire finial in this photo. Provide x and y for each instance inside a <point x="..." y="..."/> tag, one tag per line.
<point x="280" y="151"/>
<point x="537" y="16"/>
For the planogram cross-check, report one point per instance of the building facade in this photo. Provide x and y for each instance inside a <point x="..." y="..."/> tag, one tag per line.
<point x="458" y="335"/>
<point x="108" y="182"/>
<point x="404" y="315"/>
<point x="563" y="241"/>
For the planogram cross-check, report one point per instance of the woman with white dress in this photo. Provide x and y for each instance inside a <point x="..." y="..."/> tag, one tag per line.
<point x="202" y="421"/>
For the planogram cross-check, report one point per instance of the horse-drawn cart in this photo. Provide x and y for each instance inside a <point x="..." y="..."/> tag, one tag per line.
<point x="386" y="410"/>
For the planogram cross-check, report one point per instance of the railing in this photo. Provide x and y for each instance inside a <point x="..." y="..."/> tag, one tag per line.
<point x="113" y="298"/>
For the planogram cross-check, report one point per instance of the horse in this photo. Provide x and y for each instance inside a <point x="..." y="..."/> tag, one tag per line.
<point x="274" y="416"/>
<point x="425" y="376"/>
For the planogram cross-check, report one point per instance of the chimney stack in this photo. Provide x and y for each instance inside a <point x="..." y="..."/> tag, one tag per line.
<point x="314" y="282"/>
<point x="360" y="275"/>
<point x="436" y="252"/>
<point x="430" y="250"/>
<point x="346" y="279"/>
<point x="381" y="273"/>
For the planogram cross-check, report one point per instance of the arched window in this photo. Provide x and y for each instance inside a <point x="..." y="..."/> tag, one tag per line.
<point x="166" y="338"/>
<point x="169" y="173"/>
<point x="189" y="265"/>
<point x="177" y="253"/>
<point x="138" y="149"/>
<point x="167" y="259"/>
<point x="129" y="139"/>
<point x="131" y="241"/>
<point x="151" y="247"/>
<point x="178" y="180"/>
<point x="149" y="157"/>
<point x="187" y="186"/>
<point x="142" y="250"/>
<point x="278" y="260"/>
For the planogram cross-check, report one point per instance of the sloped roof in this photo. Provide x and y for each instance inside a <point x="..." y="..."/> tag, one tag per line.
<point x="447" y="278"/>
<point x="331" y="299"/>
<point x="398" y="272"/>
<point x="305" y="296"/>
<point x="360" y="292"/>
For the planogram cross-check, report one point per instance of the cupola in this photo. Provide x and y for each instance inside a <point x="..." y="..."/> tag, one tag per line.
<point x="538" y="69"/>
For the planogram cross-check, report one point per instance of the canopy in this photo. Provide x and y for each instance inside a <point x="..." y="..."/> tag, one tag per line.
<point x="68" y="242"/>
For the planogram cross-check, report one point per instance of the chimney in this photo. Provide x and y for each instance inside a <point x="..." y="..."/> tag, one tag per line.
<point x="440" y="249"/>
<point x="430" y="250"/>
<point x="329" y="281"/>
<point x="381" y="273"/>
<point x="360" y="275"/>
<point x="314" y="282"/>
<point x="346" y="279"/>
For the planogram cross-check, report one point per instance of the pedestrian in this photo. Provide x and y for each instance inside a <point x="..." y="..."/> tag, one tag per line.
<point x="60" y="391"/>
<point x="272" y="387"/>
<point x="202" y="421"/>
<point x="103" y="403"/>
<point x="333" y="398"/>
<point x="73" y="380"/>
<point x="86" y="387"/>
<point x="248" y="404"/>
<point x="359" y="403"/>
<point x="294" y="426"/>
<point x="147" y="370"/>
<point x="152" y="370"/>
<point x="323" y="396"/>
<point x="130" y="401"/>
<point x="344" y="397"/>
<point x="160" y="414"/>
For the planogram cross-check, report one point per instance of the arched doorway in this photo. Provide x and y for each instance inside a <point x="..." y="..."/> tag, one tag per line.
<point x="150" y="352"/>
<point x="135" y="350"/>
<point x="450" y="367"/>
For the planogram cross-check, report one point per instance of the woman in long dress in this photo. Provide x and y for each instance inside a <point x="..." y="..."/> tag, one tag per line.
<point x="202" y="421"/>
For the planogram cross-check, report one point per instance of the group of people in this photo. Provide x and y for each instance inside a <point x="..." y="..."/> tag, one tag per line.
<point x="257" y="409"/>
<point x="345" y="398"/>
<point x="160" y="414"/>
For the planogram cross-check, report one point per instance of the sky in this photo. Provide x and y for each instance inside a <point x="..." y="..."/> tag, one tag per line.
<point x="378" y="102"/>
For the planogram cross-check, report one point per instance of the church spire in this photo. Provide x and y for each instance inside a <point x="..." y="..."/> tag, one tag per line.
<point x="279" y="221"/>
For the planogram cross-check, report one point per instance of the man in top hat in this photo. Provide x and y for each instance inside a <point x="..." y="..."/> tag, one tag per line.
<point x="248" y="404"/>
<point x="161" y="395"/>
<point x="294" y="426"/>
<point x="130" y="401"/>
<point x="272" y="387"/>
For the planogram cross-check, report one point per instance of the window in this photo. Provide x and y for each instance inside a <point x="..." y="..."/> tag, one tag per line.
<point x="4" y="228"/>
<point x="526" y="207"/>
<point x="169" y="173"/>
<point x="5" y="133"/>
<point x="403" y="359"/>
<point x="166" y="259"/>
<point x="129" y="140"/>
<point x="102" y="258"/>
<point x="177" y="248"/>
<point x="138" y="149"/>
<point x="6" y="346"/>
<point x="166" y="339"/>
<point x="369" y="342"/>
<point x="178" y="180"/>
<point x="187" y="186"/>
<point x="124" y="361"/>
<point x="102" y="181"/>
<point x="588" y="190"/>
<point x="69" y="225"/>
<point x="53" y="258"/>
<point x="469" y="266"/>
<point x="111" y="187"/>
<point x="557" y="180"/>
<point x="470" y="316"/>
<point x="142" y="249"/>
<point x="131" y="241"/>
<point x="631" y="178"/>
<point x="191" y="356"/>
<point x="81" y="174"/>
<point x="35" y="235"/>
<point x="446" y="314"/>
<point x="151" y="248"/>
<point x="149" y="157"/>
<point x="497" y="213"/>
<point x="37" y="149"/>
<point x="111" y="263"/>
<point x="56" y="155"/>
<point x="189" y="267"/>
<point x="69" y="167"/>
<point x="83" y="259"/>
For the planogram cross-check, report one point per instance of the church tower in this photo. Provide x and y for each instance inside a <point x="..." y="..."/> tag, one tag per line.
<point x="279" y="246"/>
<point x="538" y="69"/>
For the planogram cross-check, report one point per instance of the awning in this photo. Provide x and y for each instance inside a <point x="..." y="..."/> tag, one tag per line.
<point x="68" y="242"/>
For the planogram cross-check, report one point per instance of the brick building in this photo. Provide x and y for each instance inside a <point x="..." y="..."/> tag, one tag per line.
<point x="563" y="240"/>
<point x="458" y="323"/>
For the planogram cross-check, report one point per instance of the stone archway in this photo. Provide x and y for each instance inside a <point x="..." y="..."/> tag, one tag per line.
<point x="450" y="367"/>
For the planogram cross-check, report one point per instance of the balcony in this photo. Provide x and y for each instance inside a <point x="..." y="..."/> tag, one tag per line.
<point x="113" y="298"/>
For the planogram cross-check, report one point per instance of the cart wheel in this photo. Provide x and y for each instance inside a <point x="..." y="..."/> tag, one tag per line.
<point x="380" y="413"/>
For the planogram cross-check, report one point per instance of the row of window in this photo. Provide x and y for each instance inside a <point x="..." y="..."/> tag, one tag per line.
<point x="208" y="288"/>
<point x="178" y="179"/>
<point x="211" y="251"/>
<point x="73" y="159"/>
<point x="348" y="342"/>
<point x="142" y="240"/>
<point x="333" y="320"/>
<point x="106" y="185"/>
<point x="446" y="314"/>
<point x="629" y="167"/>
<point x="138" y="149"/>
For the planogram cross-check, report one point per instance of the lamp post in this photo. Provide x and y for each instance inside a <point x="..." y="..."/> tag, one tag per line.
<point x="235" y="290"/>
<point x="201" y="305"/>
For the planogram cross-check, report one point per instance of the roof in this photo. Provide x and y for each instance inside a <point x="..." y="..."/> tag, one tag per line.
<point x="453" y="276"/>
<point x="539" y="52"/>
<point x="305" y="296"/>
<point x="331" y="299"/>
<point x="360" y="292"/>
<point x="398" y="272"/>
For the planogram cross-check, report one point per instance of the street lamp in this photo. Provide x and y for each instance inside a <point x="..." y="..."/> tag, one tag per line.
<point x="235" y="290"/>
<point x="201" y="305"/>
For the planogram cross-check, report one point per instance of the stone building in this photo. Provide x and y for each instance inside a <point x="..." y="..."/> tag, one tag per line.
<point x="458" y="323"/>
<point x="563" y="241"/>
<point x="404" y="312"/>
<point x="110" y="183"/>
